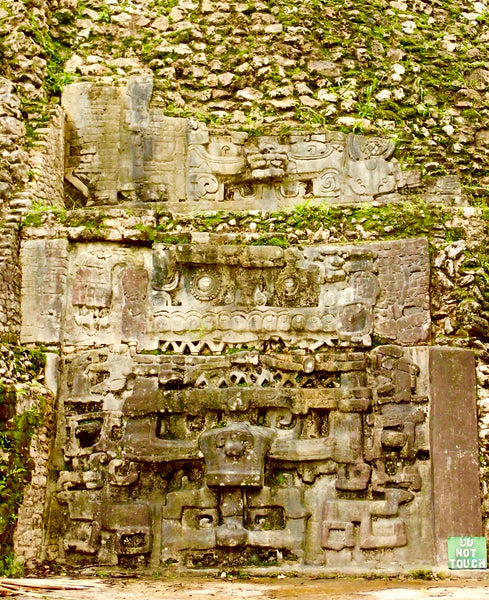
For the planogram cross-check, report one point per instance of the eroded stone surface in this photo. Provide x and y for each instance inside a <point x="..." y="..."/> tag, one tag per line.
<point x="206" y="295"/>
<point x="249" y="458"/>
<point x="235" y="405"/>
<point x="120" y="147"/>
<point x="454" y="421"/>
<point x="43" y="281"/>
<point x="194" y="458"/>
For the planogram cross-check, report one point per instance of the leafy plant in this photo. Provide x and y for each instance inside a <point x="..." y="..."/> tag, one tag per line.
<point x="105" y="14"/>
<point x="10" y="566"/>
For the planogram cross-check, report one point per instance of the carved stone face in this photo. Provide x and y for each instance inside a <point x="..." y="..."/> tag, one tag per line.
<point x="235" y="443"/>
<point x="235" y="455"/>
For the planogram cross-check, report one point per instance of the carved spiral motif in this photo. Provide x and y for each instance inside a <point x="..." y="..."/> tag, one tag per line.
<point x="329" y="183"/>
<point x="205" y="186"/>
<point x="205" y="285"/>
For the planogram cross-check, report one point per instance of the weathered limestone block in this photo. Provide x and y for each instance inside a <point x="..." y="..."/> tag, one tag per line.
<point x="235" y="454"/>
<point x="453" y="433"/>
<point x="118" y="147"/>
<point x="44" y="273"/>
<point x="385" y="531"/>
<point x="224" y="402"/>
<point x="403" y="272"/>
<point x="324" y="456"/>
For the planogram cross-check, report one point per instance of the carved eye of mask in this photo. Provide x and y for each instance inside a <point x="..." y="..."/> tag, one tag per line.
<point x="205" y="285"/>
<point x="205" y="521"/>
<point x="245" y="440"/>
<point x="237" y="438"/>
<point x="286" y="422"/>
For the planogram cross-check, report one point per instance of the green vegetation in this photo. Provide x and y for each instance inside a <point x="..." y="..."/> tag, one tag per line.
<point x="405" y="72"/>
<point x="177" y="238"/>
<point x="15" y="434"/>
<point x="422" y="574"/>
<point x="390" y="221"/>
<point x="38" y="212"/>
<point x="105" y="14"/>
<point x="16" y="431"/>
<point x="280" y="241"/>
<point x="56" y="52"/>
<point x="11" y="566"/>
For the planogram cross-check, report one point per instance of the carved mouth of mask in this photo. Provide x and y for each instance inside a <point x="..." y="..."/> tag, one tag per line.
<point x="235" y="454"/>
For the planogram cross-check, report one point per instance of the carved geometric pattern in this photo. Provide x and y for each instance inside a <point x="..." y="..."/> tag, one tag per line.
<point x="199" y="298"/>
<point x="151" y="157"/>
<point x="171" y="456"/>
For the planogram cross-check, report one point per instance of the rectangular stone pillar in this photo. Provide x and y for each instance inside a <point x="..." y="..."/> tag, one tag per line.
<point x="454" y="449"/>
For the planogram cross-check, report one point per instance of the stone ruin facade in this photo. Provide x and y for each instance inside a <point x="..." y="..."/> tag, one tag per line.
<point x="225" y="405"/>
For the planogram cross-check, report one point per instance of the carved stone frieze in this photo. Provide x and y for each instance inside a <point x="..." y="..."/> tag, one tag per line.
<point x="246" y="405"/>
<point x="121" y="147"/>
<point x="320" y="456"/>
<point x="207" y="294"/>
<point x="230" y="405"/>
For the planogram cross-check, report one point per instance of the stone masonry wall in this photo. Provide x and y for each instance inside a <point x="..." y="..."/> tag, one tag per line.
<point x="413" y="72"/>
<point x="45" y="187"/>
<point x="26" y="421"/>
<point x="120" y="287"/>
<point x="23" y="107"/>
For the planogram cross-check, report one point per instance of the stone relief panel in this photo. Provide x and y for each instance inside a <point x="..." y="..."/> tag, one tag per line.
<point x="227" y="405"/>
<point x="246" y="458"/>
<point x="121" y="147"/>
<point x="186" y="298"/>
<point x="44" y="275"/>
<point x="233" y="171"/>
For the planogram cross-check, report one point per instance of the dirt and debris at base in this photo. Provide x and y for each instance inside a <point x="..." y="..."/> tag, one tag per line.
<point x="264" y="589"/>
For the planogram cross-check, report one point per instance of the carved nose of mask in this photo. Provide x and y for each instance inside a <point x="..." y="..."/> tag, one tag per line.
<point x="234" y="448"/>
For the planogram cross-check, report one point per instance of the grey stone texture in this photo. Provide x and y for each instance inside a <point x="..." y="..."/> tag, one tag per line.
<point x="453" y="421"/>
<point x="188" y="458"/>
<point x="351" y="480"/>
<point x="232" y="404"/>
<point x="29" y="536"/>
<point x="322" y="459"/>
<point x="202" y="294"/>
<point x="44" y="275"/>
<point x="122" y="147"/>
<point x="45" y="187"/>
<point x="223" y="405"/>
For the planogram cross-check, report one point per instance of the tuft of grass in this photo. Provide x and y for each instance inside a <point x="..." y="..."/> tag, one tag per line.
<point x="422" y="574"/>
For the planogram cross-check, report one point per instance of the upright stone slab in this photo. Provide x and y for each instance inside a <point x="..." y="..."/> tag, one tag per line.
<point x="454" y="448"/>
<point x="44" y="271"/>
<point x="119" y="148"/>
